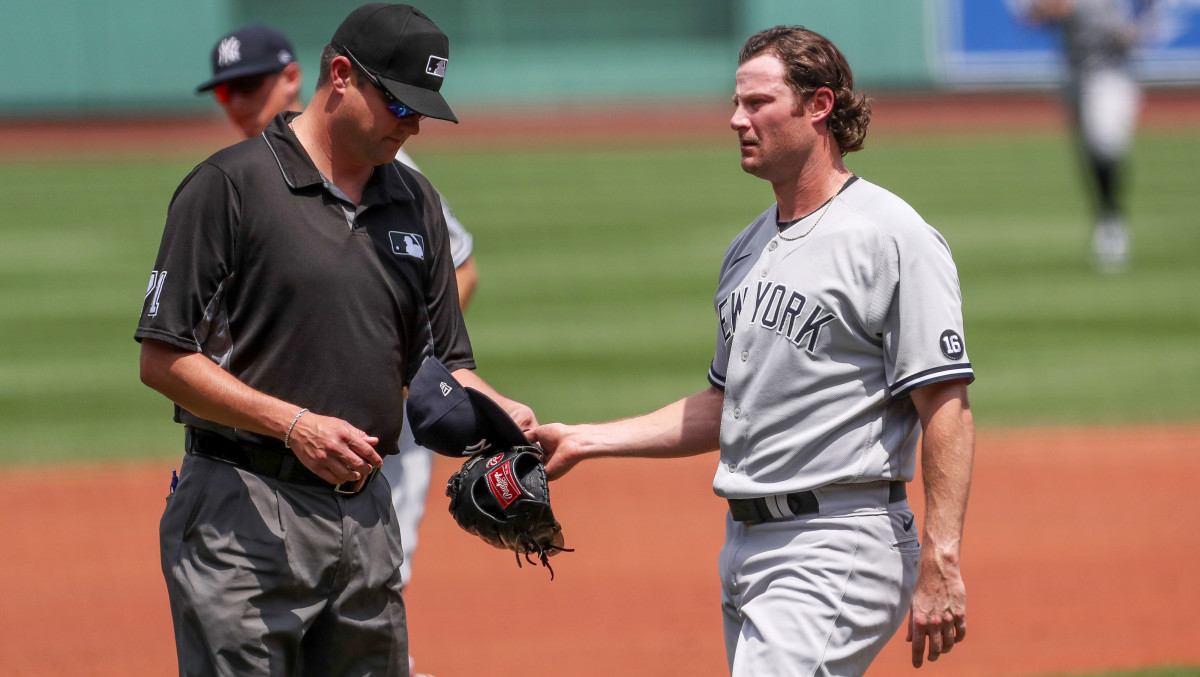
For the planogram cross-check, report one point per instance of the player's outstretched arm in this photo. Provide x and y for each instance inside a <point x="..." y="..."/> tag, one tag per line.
<point x="938" y="617"/>
<point x="683" y="428"/>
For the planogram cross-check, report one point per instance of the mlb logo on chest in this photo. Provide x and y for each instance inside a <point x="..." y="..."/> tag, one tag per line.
<point x="407" y="244"/>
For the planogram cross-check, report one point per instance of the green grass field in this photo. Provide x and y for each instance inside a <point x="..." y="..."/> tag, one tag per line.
<point x="597" y="273"/>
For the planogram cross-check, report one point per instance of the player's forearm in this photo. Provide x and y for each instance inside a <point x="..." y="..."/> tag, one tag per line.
<point x="195" y="383"/>
<point x="686" y="427"/>
<point x="947" y="457"/>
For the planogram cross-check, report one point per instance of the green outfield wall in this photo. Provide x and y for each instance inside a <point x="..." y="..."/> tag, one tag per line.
<point x="91" y="56"/>
<point x="120" y="56"/>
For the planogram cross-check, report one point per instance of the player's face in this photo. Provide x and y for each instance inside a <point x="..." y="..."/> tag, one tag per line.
<point x="775" y="141"/>
<point x="252" y="102"/>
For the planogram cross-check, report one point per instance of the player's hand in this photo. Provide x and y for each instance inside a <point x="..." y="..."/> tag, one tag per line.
<point x="937" y="619"/>
<point x="333" y="449"/>
<point x="561" y="444"/>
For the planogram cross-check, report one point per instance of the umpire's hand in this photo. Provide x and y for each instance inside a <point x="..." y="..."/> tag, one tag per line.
<point x="333" y="449"/>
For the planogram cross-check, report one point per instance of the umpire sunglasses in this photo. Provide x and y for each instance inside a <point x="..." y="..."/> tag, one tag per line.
<point x="393" y="104"/>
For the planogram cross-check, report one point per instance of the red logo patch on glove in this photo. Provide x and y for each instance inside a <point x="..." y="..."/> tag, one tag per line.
<point x="503" y="484"/>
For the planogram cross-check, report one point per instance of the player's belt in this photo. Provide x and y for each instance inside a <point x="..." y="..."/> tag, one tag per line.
<point x="261" y="461"/>
<point x="789" y="506"/>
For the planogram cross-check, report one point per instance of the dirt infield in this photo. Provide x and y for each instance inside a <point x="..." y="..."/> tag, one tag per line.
<point x="1080" y="554"/>
<point x="629" y="123"/>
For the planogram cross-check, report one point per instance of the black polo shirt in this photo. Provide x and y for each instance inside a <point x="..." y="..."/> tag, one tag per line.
<point x="300" y="294"/>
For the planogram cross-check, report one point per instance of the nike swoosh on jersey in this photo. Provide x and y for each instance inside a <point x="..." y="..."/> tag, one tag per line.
<point x="734" y="262"/>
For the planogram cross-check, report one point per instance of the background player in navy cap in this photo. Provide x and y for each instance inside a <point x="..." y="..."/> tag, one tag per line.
<point x="302" y="277"/>
<point x="839" y="345"/>
<point x="254" y="77"/>
<point x="252" y="84"/>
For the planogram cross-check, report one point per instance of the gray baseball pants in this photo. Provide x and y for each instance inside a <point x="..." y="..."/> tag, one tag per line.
<point x="269" y="578"/>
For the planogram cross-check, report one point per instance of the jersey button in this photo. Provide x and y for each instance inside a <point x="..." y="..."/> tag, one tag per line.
<point x="733" y="467"/>
<point x="773" y="246"/>
<point x="745" y="355"/>
<point x="737" y="412"/>
<point x="764" y="272"/>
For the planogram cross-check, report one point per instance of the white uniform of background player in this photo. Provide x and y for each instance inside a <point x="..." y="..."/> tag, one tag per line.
<point x="1098" y="38"/>
<point x="839" y="342"/>
<point x="254" y="78"/>
<point x="408" y="471"/>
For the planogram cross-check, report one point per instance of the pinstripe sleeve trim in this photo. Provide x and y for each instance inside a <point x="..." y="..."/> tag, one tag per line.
<point x="947" y="373"/>
<point x="716" y="379"/>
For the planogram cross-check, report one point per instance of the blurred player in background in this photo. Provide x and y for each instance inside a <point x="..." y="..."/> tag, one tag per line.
<point x="1099" y="37"/>
<point x="254" y="78"/>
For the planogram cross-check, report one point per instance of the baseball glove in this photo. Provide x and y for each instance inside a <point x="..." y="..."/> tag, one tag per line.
<point x="503" y="497"/>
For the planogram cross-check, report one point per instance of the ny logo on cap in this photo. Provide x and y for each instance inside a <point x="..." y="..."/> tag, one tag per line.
<point x="229" y="51"/>
<point x="436" y="67"/>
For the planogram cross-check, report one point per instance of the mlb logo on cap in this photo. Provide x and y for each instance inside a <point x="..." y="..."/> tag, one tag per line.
<point x="436" y="66"/>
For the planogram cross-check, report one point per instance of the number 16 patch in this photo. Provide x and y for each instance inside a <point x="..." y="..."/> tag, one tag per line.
<point x="952" y="345"/>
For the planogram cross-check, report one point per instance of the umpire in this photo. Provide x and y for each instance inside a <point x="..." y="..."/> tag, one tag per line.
<point x="301" y="276"/>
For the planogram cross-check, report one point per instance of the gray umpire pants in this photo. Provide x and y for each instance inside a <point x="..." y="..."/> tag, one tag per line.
<point x="269" y="578"/>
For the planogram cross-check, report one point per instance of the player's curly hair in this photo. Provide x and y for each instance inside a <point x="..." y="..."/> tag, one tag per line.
<point x="812" y="62"/>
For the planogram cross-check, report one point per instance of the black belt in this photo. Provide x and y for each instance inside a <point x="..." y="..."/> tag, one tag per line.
<point x="800" y="503"/>
<point x="283" y="466"/>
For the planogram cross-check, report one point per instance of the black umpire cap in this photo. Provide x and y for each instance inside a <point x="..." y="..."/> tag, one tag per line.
<point x="404" y="49"/>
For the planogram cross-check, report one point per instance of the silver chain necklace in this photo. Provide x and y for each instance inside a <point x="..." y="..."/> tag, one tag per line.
<point x="821" y="216"/>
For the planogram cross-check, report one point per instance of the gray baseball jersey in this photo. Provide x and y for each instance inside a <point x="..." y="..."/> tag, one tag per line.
<point x="1101" y="34"/>
<point x="1099" y="37"/>
<point x="822" y="336"/>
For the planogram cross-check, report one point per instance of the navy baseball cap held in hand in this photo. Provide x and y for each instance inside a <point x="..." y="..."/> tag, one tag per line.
<point x="404" y="49"/>
<point x="454" y="420"/>
<point x="253" y="50"/>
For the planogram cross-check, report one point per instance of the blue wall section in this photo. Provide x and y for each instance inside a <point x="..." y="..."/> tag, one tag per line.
<point x="982" y="42"/>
